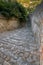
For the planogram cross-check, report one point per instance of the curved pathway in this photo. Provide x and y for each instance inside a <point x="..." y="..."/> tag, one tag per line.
<point x="18" y="48"/>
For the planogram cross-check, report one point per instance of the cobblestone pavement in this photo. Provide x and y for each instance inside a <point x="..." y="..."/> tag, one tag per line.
<point x="18" y="48"/>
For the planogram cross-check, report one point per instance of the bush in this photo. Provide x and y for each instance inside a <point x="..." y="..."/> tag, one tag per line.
<point x="12" y="9"/>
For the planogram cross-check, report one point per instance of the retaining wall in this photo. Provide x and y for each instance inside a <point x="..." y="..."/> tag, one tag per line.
<point x="8" y="24"/>
<point x="37" y="28"/>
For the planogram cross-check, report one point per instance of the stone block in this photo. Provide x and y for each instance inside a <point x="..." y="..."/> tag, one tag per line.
<point x="3" y="24"/>
<point x="12" y="24"/>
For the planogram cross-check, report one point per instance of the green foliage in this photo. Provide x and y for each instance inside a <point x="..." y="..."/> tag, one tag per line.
<point x="33" y="5"/>
<point x="12" y="9"/>
<point x="30" y="4"/>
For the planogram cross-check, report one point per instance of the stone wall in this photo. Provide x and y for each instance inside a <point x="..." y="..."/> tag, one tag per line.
<point x="37" y="28"/>
<point x="8" y="24"/>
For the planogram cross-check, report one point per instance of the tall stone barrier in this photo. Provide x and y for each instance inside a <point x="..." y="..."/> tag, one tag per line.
<point x="37" y="28"/>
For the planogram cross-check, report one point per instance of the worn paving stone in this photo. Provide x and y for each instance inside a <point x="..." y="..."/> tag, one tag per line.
<point x="6" y="63"/>
<point x="18" y="48"/>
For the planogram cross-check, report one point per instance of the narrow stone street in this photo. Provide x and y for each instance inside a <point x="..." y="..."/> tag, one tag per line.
<point x="18" y="48"/>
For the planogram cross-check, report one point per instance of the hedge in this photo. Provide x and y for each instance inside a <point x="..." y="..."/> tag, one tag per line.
<point x="13" y="9"/>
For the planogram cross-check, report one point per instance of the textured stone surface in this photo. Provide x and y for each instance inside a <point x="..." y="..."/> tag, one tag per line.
<point x="8" y="24"/>
<point x="3" y="24"/>
<point x="6" y="63"/>
<point x="37" y="27"/>
<point x="12" y="24"/>
<point x="18" y="48"/>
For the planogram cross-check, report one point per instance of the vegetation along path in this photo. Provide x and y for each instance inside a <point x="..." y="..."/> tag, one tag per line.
<point x="18" y="48"/>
